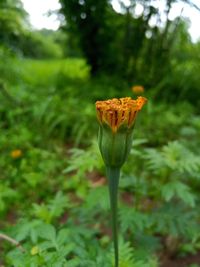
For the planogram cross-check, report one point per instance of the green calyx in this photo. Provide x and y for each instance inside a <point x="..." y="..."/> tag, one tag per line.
<point x="115" y="146"/>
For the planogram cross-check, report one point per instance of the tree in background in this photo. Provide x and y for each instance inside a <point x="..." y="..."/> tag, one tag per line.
<point x="125" y="43"/>
<point x="13" y="23"/>
<point x="87" y="22"/>
<point x="17" y="37"/>
<point x="148" y="48"/>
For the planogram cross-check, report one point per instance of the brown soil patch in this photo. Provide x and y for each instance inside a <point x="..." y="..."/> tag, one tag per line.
<point x="182" y="262"/>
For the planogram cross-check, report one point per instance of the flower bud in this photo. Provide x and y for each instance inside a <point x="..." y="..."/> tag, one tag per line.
<point x="116" y="118"/>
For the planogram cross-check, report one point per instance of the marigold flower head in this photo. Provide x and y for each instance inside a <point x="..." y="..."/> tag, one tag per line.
<point x="138" y="89"/>
<point x="116" y="112"/>
<point x="15" y="154"/>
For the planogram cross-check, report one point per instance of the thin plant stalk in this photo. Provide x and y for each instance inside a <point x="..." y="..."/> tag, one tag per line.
<point x="113" y="175"/>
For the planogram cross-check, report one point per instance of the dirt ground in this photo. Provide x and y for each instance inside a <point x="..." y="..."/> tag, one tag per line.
<point x="182" y="262"/>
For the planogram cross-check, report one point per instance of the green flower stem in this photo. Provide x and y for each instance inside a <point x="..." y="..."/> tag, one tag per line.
<point x="113" y="174"/>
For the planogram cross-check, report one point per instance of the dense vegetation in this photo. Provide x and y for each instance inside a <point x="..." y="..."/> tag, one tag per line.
<point x="53" y="191"/>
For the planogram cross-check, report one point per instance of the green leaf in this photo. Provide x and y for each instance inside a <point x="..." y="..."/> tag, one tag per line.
<point x="47" y="232"/>
<point x="62" y="236"/>
<point x="180" y="190"/>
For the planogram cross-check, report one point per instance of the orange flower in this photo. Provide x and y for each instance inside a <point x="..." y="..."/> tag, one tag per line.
<point x="138" y="89"/>
<point x="15" y="154"/>
<point x="115" y="112"/>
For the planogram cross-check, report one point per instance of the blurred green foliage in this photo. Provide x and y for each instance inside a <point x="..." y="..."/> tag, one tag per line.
<point x="56" y="186"/>
<point x="53" y="191"/>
